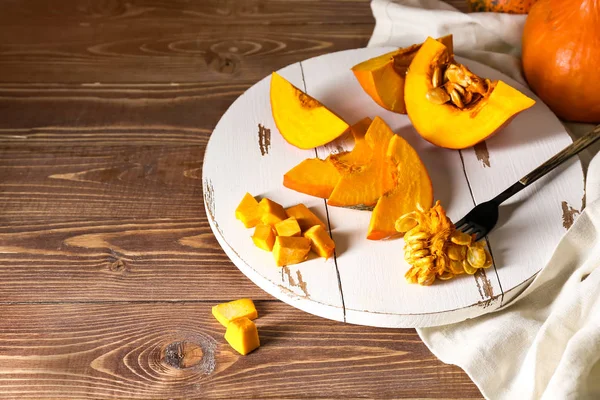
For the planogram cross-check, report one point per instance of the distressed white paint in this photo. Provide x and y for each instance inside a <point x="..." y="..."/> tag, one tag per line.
<point x="371" y="272"/>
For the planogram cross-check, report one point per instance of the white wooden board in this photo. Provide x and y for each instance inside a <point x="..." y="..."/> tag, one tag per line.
<point x="365" y="283"/>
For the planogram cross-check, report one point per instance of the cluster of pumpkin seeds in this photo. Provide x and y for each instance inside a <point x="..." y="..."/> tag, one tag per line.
<point x="454" y="83"/>
<point x="436" y="250"/>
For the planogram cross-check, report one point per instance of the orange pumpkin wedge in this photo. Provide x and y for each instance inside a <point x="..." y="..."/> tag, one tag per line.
<point x="456" y="122"/>
<point x="302" y="120"/>
<point x="362" y="187"/>
<point x="413" y="187"/>
<point x="382" y="77"/>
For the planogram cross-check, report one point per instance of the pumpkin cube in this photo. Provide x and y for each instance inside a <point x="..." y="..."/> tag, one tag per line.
<point x="264" y="237"/>
<point x="248" y="212"/>
<point x="227" y="312"/>
<point x="321" y="242"/>
<point x="288" y="227"/>
<point x="304" y="216"/>
<point x="242" y="335"/>
<point x="271" y="212"/>
<point x="290" y="250"/>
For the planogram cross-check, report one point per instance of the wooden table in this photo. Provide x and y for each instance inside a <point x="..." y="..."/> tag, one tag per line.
<point x="108" y="266"/>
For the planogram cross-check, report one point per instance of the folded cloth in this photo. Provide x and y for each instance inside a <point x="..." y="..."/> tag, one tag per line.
<point x="545" y="343"/>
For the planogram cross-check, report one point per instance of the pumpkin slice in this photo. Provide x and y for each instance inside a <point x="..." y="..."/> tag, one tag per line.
<point x="450" y="106"/>
<point x="382" y="77"/>
<point x="363" y="186"/>
<point x="347" y="161"/>
<point x="302" y="120"/>
<point x="312" y="176"/>
<point x="413" y="188"/>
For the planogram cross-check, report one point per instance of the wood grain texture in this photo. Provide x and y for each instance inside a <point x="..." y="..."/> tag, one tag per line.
<point x="157" y="51"/>
<point x="159" y="351"/>
<point x="105" y="111"/>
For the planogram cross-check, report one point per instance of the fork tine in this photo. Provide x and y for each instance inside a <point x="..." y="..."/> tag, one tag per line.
<point x="460" y="223"/>
<point x="470" y="229"/>
<point x="480" y="235"/>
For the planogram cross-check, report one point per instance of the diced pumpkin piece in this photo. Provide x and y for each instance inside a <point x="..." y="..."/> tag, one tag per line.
<point x="302" y="120"/>
<point x="413" y="188"/>
<point x="264" y="237"/>
<point x="382" y="77"/>
<point x="242" y="335"/>
<point x="364" y="186"/>
<point x="290" y="250"/>
<point x="321" y="242"/>
<point x="227" y="312"/>
<point x="288" y="227"/>
<point x="271" y="212"/>
<point x="304" y="216"/>
<point x="464" y="110"/>
<point x="312" y="176"/>
<point x="247" y="211"/>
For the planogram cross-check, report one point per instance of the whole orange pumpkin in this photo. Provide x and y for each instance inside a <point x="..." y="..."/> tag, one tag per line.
<point x="501" y="6"/>
<point x="561" y="56"/>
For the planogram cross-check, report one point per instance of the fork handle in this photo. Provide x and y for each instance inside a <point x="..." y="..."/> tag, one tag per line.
<point x="553" y="162"/>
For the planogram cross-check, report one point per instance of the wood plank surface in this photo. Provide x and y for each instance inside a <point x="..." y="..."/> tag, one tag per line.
<point x="160" y="351"/>
<point x="108" y="267"/>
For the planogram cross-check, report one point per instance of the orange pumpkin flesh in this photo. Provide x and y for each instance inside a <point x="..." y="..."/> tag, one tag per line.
<point x="413" y="188"/>
<point x="382" y="77"/>
<point x="348" y="161"/>
<point x="312" y="176"/>
<point x="318" y="177"/>
<point x="366" y="184"/>
<point x="561" y="54"/>
<point x="446" y="125"/>
<point x="302" y="120"/>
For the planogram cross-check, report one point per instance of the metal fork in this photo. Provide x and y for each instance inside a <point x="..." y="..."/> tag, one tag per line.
<point x="482" y="219"/>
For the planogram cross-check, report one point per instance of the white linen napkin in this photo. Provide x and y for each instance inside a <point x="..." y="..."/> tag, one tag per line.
<point x="546" y="343"/>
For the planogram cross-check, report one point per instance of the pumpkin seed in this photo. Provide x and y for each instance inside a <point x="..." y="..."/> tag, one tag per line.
<point x="420" y="253"/>
<point x="460" y="238"/>
<point x="456" y="252"/>
<point x="417" y="245"/>
<point x="424" y="262"/>
<point x="426" y="279"/>
<point x="406" y="222"/>
<point x="455" y="97"/>
<point x="437" y="96"/>
<point x="436" y="79"/>
<point x="456" y="267"/>
<point x="413" y="236"/>
<point x="476" y="256"/>
<point x="468" y="268"/>
<point x="446" y="275"/>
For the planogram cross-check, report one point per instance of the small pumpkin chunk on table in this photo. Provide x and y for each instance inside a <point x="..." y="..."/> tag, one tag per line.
<point x="242" y="335"/>
<point x="227" y="312"/>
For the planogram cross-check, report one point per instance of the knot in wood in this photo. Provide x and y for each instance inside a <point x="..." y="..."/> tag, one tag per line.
<point x="224" y="63"/>
<point x="182" y="354"/>
<point x="117" y="265"/>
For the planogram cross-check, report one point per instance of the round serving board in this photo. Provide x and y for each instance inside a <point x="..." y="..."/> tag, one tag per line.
<point x="364" y="283"/>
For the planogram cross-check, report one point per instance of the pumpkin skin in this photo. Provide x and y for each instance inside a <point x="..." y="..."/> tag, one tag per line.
<point x="501" y="6"/>
<point x="445" y="125"/>
<point x="561" y="56"/>
<point x="382" y="77"/>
